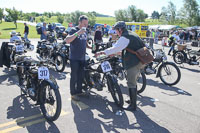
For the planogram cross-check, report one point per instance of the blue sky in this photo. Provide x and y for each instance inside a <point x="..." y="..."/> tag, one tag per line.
<point x="101" y="6"/>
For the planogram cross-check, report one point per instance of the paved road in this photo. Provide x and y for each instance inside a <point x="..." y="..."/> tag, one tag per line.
<point x="161" y="108"/>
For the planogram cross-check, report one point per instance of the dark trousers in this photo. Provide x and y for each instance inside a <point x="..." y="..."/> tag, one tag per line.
<point x="77" y="76"/>
<point x="172" y="44"/>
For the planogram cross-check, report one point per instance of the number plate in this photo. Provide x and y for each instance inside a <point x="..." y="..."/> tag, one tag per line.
<point x="106" y="67"/>
<point x="19" y="48"/>
<point x="43" y="73"/>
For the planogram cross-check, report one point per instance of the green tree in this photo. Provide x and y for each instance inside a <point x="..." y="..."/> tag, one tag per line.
<point x="191" y="13"/>
<point x="14" y="14"/>
<point x="60" y="19"/>
<point x="155" y="15"/>
<point x="132" y="11"/>
<point x="1" y="14"/>
<point x="141" y="16"/>
<point x="121" y="15"/>
<point x="42" y="19"/>
<point x="92" y="18"/>
<point x="74" y="16"/>
<point x="171" y="13"/>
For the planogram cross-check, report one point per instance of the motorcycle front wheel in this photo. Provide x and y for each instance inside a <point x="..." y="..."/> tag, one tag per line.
<point x="169" y="73"/>
<point x="50" y="102"/>
<point x="115" y="90"/>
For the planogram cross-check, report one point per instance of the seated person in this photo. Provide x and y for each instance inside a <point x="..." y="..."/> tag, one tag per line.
<point x="14" y="36"/>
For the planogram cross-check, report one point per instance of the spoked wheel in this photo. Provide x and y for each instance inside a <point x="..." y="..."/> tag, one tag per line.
<point x="178" y="57"/>
<point x="50" y="102"/>
<point x="115" y="91"/>
<point x="60" y="63"/>
<point x="169" y="73"/>
<point x="141" y="82"/>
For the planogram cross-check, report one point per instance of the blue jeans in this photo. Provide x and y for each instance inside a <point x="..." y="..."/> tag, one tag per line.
<point x="77" y="76"/>
<point x="26" y="37"/>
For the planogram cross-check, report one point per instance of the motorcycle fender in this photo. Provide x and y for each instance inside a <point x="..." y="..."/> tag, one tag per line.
<point x="51" y="83"/>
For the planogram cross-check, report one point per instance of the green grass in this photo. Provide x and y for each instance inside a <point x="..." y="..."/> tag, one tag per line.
<point x="106" y="20"/>
<point x="7" y="27"/>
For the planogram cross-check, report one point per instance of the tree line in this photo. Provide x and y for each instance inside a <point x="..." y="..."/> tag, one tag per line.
<point x="189" y="14"/>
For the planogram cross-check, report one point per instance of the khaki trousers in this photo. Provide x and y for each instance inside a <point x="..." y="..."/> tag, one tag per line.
<point x="132" y="75"/>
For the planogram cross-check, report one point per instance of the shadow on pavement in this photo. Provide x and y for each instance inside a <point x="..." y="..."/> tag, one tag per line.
<point x="22" y="111"/>
<point x="58" y="75"/>
<point x="168" y="88"/>
<point x="108" y="121"/>
<point x="7" y="75"/>
<point x="190" y="69"/>
<point x="145" y="125"/>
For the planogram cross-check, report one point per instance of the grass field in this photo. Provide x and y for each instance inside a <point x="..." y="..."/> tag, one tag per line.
<point x="7" y="27"/>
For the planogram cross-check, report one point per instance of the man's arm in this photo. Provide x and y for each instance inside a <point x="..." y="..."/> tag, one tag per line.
<point x="73" y="36"/>
<point x="121" y="44"/>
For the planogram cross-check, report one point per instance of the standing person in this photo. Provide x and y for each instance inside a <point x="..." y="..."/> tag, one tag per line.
<point x="174" y="39"/>
<point x="157" y="34"/>
<point x="151" y="38"/>
<point x="98" y="35"/>
<point x="131" y="62"/>
<point x="44" y="32"/>
<point x="112" y="33"/>
<point x="78" y="41"/>
<point x="26" y="31"/>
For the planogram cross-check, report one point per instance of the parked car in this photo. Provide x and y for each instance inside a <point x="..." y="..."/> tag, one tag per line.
<point x="59" y="27"/>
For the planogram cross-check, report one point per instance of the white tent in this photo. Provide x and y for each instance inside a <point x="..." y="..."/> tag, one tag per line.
<point x="154" y="27"/>
<point x="167" y="27"/>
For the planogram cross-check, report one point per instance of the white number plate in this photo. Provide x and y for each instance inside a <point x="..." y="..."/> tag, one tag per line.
<point x="43" y="73"/>
<point x="106" y="67"/>
<point x="19" y="48"/>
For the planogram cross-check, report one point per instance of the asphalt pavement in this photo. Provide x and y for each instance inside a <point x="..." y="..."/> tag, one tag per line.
<point x="161" y="108"/>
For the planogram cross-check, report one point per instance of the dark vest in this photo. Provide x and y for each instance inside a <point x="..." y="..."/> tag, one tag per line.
<point x="135" y="43"/>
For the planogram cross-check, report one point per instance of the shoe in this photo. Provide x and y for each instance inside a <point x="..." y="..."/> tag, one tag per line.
<point x="75" y="98"/>
<point x="86" y="94"/>
<point x="169" y="54"/>
<point x="133" y="99"/>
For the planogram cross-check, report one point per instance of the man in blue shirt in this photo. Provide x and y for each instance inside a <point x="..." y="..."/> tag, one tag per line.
<point x="44" y="32"/>
<point x="78" y="41"/>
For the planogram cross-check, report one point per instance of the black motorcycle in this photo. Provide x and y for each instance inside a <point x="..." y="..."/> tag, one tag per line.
<point x="94" y="79"/>
<point x="36" y="82"/>
<point x="49" y="51"/>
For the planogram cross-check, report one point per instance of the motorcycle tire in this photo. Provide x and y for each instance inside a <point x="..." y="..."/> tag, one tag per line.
<point x="58" y="63"/>
<point x="178" y="57"/>
<point x="141" y="82"/>
<point x="165" y="67"/>
<point x="43" y="101"/>
<point x="115" y="90"/>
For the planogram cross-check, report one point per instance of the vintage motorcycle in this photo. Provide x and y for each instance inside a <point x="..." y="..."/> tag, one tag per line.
<point x="36" y="82"/>
<point x="168" y="72"/>
<point x="186" y="55"/>
<point x="94" y="79"/>
<point x="49" y="51"/>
